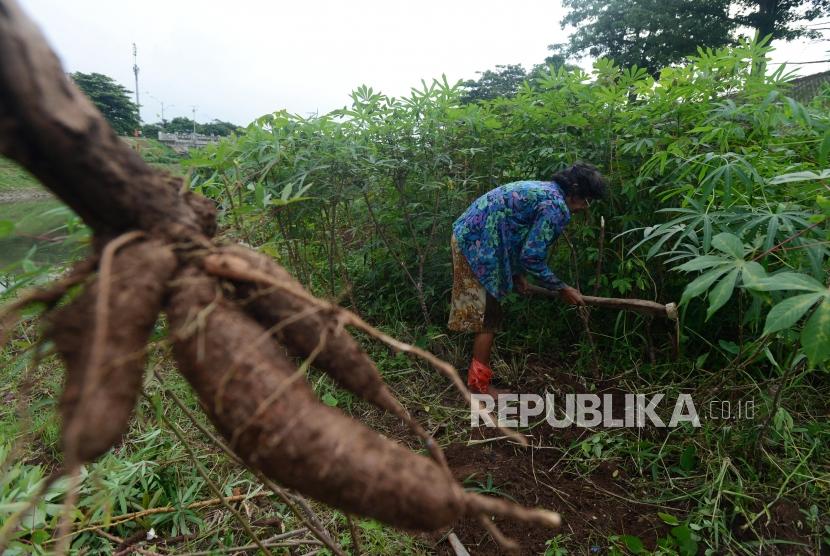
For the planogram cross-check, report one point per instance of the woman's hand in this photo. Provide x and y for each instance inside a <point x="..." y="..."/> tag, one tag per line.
<point x="571" y="296"/>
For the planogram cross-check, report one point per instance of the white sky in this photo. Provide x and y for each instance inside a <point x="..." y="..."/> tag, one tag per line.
<point x="239" y="60"/>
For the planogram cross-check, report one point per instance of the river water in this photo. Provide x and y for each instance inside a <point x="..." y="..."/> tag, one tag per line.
<point x="41" y="235"/>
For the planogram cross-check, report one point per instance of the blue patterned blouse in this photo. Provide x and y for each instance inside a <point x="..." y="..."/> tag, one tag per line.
<point x="509" y="230"/>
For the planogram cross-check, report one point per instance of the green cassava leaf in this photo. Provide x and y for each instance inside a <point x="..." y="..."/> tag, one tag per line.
<point x="702" y="283"/>
<point x="815" y="337"/>
<point x="800" y="176"/>
<point x="787" y="313"/>
<point x="701" y="263"/>
<point x="721" y="293"/>
<point x="788" y="281"/>
<point x="729" y="244"/>
<point x="752" y="273"/>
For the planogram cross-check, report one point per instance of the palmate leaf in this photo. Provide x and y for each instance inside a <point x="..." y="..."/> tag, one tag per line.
<point x="729" y="244"/>
<point x="752" y="273"/>
<point x="789" y="281"/>
<point x="701" y="263"/>
<point x="721" y="293"/>
<point x="815" y="337"/>
<point x="702" y="283"/>
<point x="788" y="312"/>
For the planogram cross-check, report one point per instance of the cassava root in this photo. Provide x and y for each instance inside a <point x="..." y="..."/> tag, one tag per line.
<point x="299" y="326"/>
<point x="302" y="443"/>
<point x="99" y="396"/>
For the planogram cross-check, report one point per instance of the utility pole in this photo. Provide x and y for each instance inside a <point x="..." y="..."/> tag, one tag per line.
<point x="169" y="106"/>
<point x="193" y="110"/>
<point x="135" y="71"/>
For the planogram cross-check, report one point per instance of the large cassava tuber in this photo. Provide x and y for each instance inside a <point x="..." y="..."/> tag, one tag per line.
<point x="298" y="441"/>
<point x="304" y="328"/>
<point x="97" y="402"/>
<point x="341" y="357"/>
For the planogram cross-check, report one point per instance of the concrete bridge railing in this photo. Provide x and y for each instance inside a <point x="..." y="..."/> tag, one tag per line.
<point x="182" y="142"/>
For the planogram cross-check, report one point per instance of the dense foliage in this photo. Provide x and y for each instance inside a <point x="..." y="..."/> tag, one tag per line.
<point x="111" y="98"/>
<point x="711" y="169"/>
<point x="181" y="124"/>
<point x="656" y="33"/>
<point x="650" y="34"/>
<point x="719" y="199"/>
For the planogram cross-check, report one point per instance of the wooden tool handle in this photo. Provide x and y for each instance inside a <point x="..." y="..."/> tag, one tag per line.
<point x="668" y="311"/>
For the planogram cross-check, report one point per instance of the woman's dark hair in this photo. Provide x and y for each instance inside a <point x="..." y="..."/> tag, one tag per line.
<point x="582" y="180"/>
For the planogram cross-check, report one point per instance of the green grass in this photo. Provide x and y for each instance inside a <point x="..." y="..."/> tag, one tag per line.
<point x="12" y="176"/>
<point x="152" y="468"/>
<point x="38" y="216"/>
<point x="152" y="150"/>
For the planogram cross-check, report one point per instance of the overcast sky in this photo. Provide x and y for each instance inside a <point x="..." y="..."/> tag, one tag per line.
<point x="239" y="60"/>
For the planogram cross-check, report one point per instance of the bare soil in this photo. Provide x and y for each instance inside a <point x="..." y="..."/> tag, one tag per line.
<point x="604" y="501"/>
<point x="594" y="505"/>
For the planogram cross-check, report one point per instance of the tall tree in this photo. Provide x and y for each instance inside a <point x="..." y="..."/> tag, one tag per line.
<point x="504" y="81"/>
<point x="217" y="127"/>
<point x="656" y="33"/>
<point x="111" y="98"/>
<point x="782" y="19"/>
<point x="648" y="33"/>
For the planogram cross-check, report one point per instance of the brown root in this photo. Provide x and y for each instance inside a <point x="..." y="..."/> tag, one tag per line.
<point x="97" y="401"/>
<point x="487" y="505"/>
<point x="299" y="324"/>
<point x="53" y="130"/>
<point x="237" y="267"/>
<point x="300" y="442"/>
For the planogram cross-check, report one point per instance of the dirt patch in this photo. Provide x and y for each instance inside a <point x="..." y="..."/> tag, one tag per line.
<point x="592" y="507"/>
<point x="21" y="195"/>
<point x="594" y="503"/>
<point x="597" y="497"/>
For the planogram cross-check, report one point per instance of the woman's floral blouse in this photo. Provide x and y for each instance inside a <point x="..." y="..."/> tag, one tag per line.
<point x="509" y="230"/>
